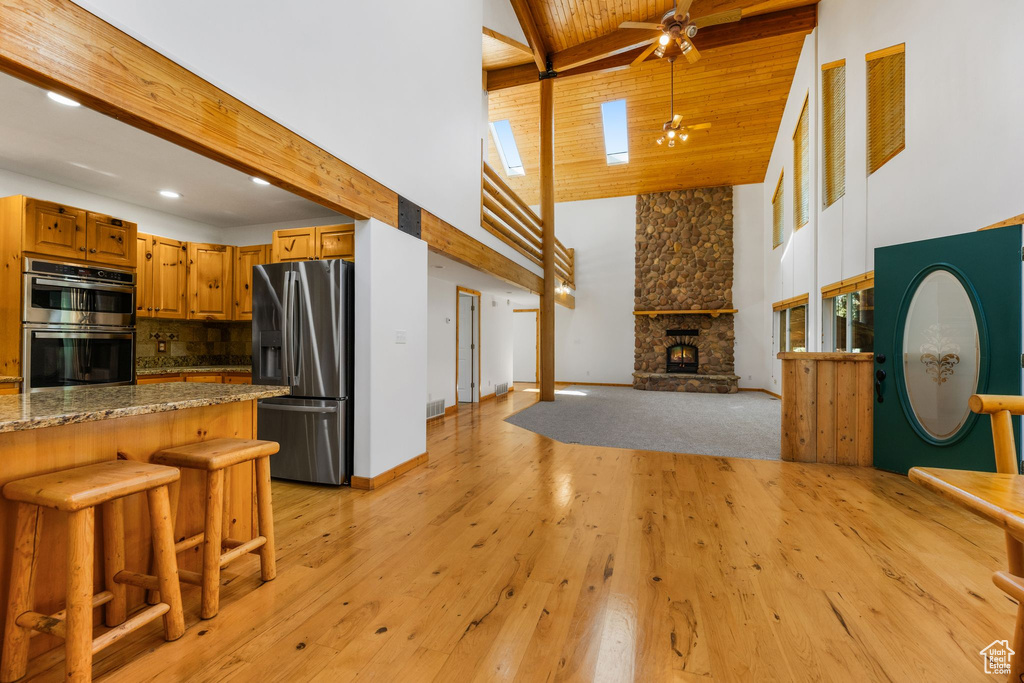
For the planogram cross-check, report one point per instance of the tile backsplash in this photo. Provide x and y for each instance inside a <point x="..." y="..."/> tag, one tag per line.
<point x="192" y="343"/>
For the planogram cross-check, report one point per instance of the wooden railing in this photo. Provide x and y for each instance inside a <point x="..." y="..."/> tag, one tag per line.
<point x="510" y="219"/>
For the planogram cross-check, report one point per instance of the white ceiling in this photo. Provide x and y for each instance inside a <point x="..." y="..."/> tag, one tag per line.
<point x="84" y="149"/>
<point x="444" y="268"/>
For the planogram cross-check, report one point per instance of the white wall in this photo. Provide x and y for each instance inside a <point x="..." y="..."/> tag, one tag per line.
<point x="748" y="286"/>
<point x="524" y="346"/>
<point x="150" y="221"/>
<point x="391" y="374"/>
<point x="407" y="112"/>
<point x="594" y="342"/>
<point x="962" y="165"/>
<point x="499" y="16"/>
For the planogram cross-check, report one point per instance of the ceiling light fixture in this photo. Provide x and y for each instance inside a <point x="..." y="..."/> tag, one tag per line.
<point x="170" y="194"/>
<point x="60" y="99"/>
<point x="260" y="181"/>
<point x="671" y="130"/>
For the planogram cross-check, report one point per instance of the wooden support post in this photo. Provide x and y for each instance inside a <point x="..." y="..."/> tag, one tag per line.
<point x="78" y="627"/>
<point x="547" y="216"/>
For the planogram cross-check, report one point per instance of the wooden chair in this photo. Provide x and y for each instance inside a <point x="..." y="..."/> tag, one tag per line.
<point x="998" y="497"/>
<point x="213" y="457"/>
<point x="78" y="491"/>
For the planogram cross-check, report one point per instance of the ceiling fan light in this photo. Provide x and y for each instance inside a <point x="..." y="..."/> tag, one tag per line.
<point x="664" y="39"/>
<point x="671" y="134"/>
<point x="684" y="137"/>
<point x="661" y="140"/>
<point x="671" y="142"/>
<point x="660" y="52"/>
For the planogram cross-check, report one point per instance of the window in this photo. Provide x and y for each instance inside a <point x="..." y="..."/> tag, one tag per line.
<point x="886" y="106"/>
<point x="616" y="138"/>
<point x="507" y="149"/>
<point x="778" y="213"/>
<point x="833" y="138"/>
<point x="802" y="171"/>
<point x="848" y="312"/>
<point x="791" y="323"/>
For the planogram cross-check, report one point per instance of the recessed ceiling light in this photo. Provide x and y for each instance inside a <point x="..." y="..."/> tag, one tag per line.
<point x="439" y="267"/>
<point x="260" y="181"/>
<point x="170" y="194"/>
<point x="66" y="101"/>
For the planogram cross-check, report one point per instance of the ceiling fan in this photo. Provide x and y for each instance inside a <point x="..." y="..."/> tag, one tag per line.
<point x="677" y="27"/>
<point x="672" y="130"/>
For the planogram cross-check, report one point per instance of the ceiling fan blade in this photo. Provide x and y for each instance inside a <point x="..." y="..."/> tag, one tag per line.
<point x="699" y="126"/>
<point x="691" y="54"/>
<point x="646" y="53"/>
<point x="676" y="120"/>
<point x="718" y="18"/>
<point x="682" y="7"/>
<point x="640" y="24"/>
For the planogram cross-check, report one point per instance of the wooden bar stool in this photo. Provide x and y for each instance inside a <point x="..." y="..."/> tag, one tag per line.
<point x="213" y="457"/>
<point x="78" y="491"/>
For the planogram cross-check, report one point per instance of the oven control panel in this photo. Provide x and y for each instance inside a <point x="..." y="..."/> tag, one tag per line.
<point x="79" y="271"/>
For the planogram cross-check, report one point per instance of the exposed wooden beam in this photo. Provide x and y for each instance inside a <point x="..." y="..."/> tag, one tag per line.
<point x="613" y="43"/>
<point x="800" y="19"/>
<point x="59" y="46"/>
<point x="547" y="217"/>
<point x="511" y="42"/>
<point x="533" y="34"/>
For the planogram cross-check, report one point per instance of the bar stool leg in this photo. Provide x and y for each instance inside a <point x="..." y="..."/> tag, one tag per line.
<point x="78" y="640"/>
<point x="173" y="490"/>
<point x="212" y="544"/>
<point x="14" y="662"/>
<point x="268" y="561"/>
<point x="166" y="562"/>
<point x="113" y="560"/>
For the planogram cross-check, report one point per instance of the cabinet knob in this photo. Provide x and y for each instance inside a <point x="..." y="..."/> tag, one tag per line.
<point x="156" y="309"/>
<point x="151" y="308"/>
<point x="81" y="249"/>
<point x="92" y="251"/>
<point x="149" y="256"/>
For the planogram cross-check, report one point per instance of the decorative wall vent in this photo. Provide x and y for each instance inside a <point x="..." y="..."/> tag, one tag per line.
<point x="435" y="409"/>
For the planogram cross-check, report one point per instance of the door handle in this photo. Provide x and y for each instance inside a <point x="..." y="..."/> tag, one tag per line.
<point x="297" y="409"/>
<point x="879" y="378"/>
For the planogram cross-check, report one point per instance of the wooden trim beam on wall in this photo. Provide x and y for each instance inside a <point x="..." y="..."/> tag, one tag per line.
<point x="57" y="45"/>
<point x="850" y="284"/>
<point x="801" y="19"/>
<point x="792" y="302"/>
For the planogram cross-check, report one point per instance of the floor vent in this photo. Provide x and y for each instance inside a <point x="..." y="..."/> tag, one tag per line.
<point x="501" y="389"/>
<point x="435" y="408"/>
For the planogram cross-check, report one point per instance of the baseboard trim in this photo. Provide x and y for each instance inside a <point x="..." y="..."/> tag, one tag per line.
<point x="763" y="391"/>
<point x="488" y="397"/>
<point x="449" y="410"/>
<point x="594" y="384"/>
<point x="371" y="483"/>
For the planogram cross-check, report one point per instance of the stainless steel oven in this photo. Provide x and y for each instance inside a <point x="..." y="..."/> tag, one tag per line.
<point x="69" y="294"/>
<point x="74" y="356"/>
<point x="78" y="325"/>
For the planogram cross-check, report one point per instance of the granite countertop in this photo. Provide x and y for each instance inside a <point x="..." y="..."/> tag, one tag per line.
<point x="186" y="370"/>
<point x="89" y="404"/>
<point x="7" y="379"/>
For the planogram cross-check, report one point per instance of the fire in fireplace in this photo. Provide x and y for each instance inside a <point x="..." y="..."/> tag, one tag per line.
<point x="682" y="356"/>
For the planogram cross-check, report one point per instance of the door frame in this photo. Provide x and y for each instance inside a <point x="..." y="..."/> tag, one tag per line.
<point x="536" y="365"/>
<point x="475" y="391"/>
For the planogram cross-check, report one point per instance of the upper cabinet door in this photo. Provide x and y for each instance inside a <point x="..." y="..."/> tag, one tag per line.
<point x="245" y="259"/>
<point x="294" y="244"/>
<point x="169" y="283"/>
<point x="336" y="241"/>
<point x="54" y="230"/>
<point x="209" y="281"/>
<point x="144" y="276"/>
<point x="110" y="240"/>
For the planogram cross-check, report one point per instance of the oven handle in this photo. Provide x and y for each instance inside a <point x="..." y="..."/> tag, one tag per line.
<point x="80" y="284"/>
<point x="82" y="335"/>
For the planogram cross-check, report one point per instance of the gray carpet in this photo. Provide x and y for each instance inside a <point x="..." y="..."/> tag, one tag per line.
<point x="744" y="425"/>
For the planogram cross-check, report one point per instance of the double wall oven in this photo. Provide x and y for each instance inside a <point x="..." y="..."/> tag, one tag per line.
<point x="78" y="325"/>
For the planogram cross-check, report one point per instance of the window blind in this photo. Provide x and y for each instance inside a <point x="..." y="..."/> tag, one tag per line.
<point x="886" y="105"/>
<point x="802" y="171"/>
<point x="778" y="211"/>
<point x="833" y="104"/>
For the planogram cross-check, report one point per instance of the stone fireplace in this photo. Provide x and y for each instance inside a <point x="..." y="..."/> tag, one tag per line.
<point x="684" y="262"/>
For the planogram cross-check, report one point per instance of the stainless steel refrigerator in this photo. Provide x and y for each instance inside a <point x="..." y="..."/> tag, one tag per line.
<point x="302" y="321"/>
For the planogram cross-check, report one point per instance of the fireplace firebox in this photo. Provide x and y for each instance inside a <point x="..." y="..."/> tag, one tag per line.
<point x="682" y="357"/>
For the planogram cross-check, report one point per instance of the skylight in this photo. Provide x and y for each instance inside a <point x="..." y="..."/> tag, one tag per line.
<point x="616" y="139"/>
<point x="507" y="149"/>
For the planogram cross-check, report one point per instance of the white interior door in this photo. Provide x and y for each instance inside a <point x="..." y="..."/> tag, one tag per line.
<point x="467" y="346"/>
<point x="524" y="346"/>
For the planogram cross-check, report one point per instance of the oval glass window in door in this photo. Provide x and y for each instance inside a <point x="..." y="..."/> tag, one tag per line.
<point x="941" y="354"/>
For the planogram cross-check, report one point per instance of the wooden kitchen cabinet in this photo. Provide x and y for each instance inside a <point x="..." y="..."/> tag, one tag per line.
<point x="144" y="275"/>
<point x="245" y="259"/>
<point x="237" y="379"/>
<point x="294" y="244"/>
<point x="209" y="281"/>
<point x="52" y="229"/>
<point x="212" y="378"/>
<point x="336" y="241"/>
<point x="110" y="240"/>
<point x="169" y="278"/>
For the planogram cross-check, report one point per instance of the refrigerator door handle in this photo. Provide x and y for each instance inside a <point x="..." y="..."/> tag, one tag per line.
<point x="286" y="318"/>
<point x="294" y="328"/>
<point x="297" y="409"/>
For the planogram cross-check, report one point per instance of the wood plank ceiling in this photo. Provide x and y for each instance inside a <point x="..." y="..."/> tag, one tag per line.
<point x="501" y="51"/>
<point x="741" y="89"/>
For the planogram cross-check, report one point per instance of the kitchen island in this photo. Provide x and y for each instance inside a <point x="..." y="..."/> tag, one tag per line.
<point x="53" y="430"/>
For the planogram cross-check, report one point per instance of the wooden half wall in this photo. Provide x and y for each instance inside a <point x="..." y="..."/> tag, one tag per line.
<point x="57" y="45"/>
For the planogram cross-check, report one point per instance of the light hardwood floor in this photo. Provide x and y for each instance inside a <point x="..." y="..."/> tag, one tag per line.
<point x="513" y="557"/>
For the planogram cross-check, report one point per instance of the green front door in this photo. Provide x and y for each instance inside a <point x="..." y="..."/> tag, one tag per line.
<point x="947" y="325"/>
